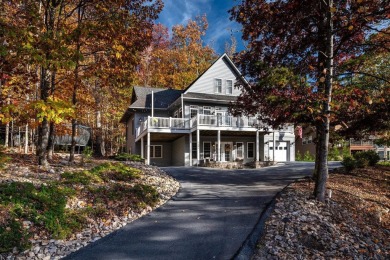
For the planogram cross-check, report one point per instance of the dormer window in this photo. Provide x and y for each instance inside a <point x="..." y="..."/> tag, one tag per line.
<point x="218" y="85"/>
<point x="229" y="87"/>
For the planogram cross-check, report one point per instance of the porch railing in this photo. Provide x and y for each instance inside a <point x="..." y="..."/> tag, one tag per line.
<point x="201" y="120"/>
<point x="353" y="142"/>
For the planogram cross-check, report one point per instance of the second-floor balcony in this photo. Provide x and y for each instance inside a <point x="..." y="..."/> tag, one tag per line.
<point x="203" y="122"/>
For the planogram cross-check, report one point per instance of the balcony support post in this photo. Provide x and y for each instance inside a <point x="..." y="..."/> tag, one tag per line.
<point x="273" y="150"/>
<point x="190" y="149"/>
<point x="198" y="146"/>
<point x="142" y="147"/>
<point x="257" y="146"/>
<point x="148" y="149"/>
<point x="219" y="146"/>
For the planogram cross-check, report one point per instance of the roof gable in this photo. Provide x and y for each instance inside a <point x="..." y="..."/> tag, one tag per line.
<point x="223" y="68"/>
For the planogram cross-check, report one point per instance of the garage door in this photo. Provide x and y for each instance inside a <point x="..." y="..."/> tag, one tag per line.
<point x="280" y="151"/>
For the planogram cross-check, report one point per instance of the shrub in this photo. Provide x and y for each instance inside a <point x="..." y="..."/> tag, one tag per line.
<point x="87" y="152"/>
<point x="44" y="206"/>
<point x="349" y="163"/>
<point x="367" y="158"/>
<point x="84" y="177"/>
<point x="129" y="157"/>
<point x="116" y="171"/>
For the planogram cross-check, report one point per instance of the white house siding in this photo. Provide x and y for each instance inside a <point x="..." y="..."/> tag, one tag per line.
<point x="178" y="152"/>
<point x="221" y="69"/>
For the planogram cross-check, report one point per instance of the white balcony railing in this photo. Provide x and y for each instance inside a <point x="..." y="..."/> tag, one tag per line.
<point x="212" y="121"/>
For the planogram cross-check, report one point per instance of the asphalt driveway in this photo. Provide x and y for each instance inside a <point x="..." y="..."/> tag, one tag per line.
<point x="209" y="218"/>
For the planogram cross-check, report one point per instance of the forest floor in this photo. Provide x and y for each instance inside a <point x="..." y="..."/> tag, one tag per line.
<point x="353" y="224"/>
<point x="50" y="212"/>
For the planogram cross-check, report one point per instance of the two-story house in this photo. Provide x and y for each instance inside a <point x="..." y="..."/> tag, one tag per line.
<point x="189" y="127"/>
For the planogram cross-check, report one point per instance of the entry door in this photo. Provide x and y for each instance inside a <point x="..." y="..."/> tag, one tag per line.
<point x="226" y="151"/>
<point x="281" y="150"/>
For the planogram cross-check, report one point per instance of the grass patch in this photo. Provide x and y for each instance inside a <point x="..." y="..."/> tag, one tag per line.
<point x="116" y="171"/>
<point x="384" y="163"/>
<point x="129" y="157"/>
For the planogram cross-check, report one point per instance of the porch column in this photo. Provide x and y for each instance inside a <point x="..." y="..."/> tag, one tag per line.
<point x="198" y="146"/>
<point x="148" y="149"/>
<point x="142" y="147"/>
<point x="257" y="146"/>
<point x="219" y="146"/>
<point x="190" y="149"/>
<point x="273" y="150"/>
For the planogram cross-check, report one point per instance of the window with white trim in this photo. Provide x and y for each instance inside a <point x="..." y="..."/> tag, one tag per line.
<point x="207" y="110"/>
<point x="250" y="150"/>
<point x="229" y="86"/>
<point x="240" y="150"/>
<point x="193" y="111"/>
<point x="218" y="85"/>
<point x="156" y="151"/>
<point x="206" y="150"/>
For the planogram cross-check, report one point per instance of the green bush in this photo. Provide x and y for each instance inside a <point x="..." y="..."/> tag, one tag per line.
<point x="116" y="171"/>
<point x="87" y="152"/>
<point x="44" y="206"/>
<point x="84" y="177"/>
<point x="349" y="163"/>
<point x="129" y="157"/>
<point x="13" y="235"/>
<point x="370" y="156"/>
<point x="360" y="160"/>
<point x="307" y="157"/>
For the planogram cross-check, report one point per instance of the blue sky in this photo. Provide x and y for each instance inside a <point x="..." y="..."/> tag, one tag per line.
<point x="220" y="26"/>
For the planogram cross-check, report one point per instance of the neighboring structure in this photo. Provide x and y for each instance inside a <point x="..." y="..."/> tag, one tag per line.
<point x="304" y="144"/>
<point x="193" y="126"/>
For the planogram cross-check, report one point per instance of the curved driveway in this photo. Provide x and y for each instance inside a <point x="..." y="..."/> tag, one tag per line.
<point x="209" y="218"/>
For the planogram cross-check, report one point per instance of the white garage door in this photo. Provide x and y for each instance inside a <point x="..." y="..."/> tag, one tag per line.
<point x="280" y="151"/>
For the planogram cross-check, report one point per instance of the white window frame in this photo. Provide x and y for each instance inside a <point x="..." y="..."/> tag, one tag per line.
<point x="153" y="151"/>
<point x="209" y="152"/>
<point x="242" y="150"/>
<point x="216" y="90"/>
<point x="193" y="108"/>
<point x="207" y="108"/>
<point x="247" y="149"/>
<point x="231" y="87"/>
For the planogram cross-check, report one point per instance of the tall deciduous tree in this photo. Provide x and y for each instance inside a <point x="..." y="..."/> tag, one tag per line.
<point x="175" y="62"/>
<point x="294" y="48"/>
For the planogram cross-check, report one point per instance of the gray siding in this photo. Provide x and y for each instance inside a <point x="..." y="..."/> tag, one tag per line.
<point x="166" y="159"/>
<point x="178" y="152"/>
<point x="221" y="69"/>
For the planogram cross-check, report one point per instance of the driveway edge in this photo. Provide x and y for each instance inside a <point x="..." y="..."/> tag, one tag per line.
<point x="248" y="247"/>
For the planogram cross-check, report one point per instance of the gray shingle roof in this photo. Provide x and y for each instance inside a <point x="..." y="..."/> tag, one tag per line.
<point x="162" y="97"/>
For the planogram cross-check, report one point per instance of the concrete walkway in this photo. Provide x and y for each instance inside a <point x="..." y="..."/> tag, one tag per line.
<point x="209" y="218"/>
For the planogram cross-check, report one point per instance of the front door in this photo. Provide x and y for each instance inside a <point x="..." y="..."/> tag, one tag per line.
<point x="226" y="151"/>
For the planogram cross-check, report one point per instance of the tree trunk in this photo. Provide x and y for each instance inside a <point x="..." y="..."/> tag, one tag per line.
<point x="80" y="14"/>
<point x="324" y="128"/>
<point x="50" y="144"/>
<point x="26" y="139"/>
<point x="44" y="129"/>
<point x="73" y="142"/>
